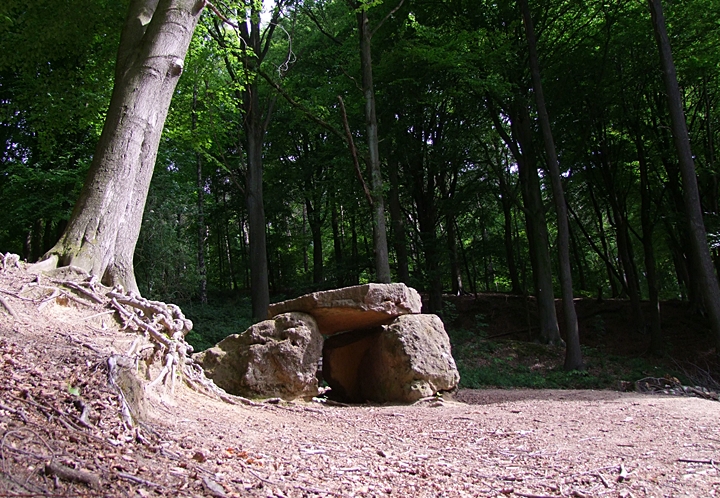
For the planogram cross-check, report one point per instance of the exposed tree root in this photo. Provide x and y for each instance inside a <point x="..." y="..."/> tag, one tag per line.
<point x="9" y="308"/>
<point x="160" y="330"/>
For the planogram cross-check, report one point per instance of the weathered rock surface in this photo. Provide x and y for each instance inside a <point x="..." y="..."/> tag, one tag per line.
<point x="401" y="362"/>
<point x="353" y="308"/>
<point x="277" y="357"/>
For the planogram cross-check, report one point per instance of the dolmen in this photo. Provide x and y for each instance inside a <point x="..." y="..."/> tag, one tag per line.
<point x="371" y="341"/>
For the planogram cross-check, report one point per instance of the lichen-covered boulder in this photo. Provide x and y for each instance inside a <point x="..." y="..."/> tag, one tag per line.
<point x="274" y="358"/>
<point x="353" y="308"/>
<point x="401" y="362"/>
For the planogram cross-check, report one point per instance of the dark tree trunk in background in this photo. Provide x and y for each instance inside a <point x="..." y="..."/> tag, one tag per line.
<point x="604" y="253"/>
<point x="656" y="339"/>
<point x="691" y="195"/>
<point x="573" y="355"/>
<point x="398" y="227"/>
<point x="315" y="222"/>
<point x="619" y="219"/>
<point x="427" y="216"/>
<point x="202" y="229"/>
<point x="506" y="201"/>
<point x="105" y="224"/>
<point x="536" y="225"/>
<point x="337" y="243"/>
<point x="354" y="252"/>
<point x="452" y="242"/>
<point x="521" y="147"/>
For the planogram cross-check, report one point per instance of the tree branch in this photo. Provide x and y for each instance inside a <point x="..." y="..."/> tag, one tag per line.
<point x="297" y="105"/>
<point x="372" y="33"/>
<point x="315" y="21"/>
<point x="353" y="152"/>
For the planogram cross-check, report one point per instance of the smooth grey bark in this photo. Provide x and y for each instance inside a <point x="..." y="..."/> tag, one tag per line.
<point x="573" y="355"/>
<point x="691" y="194"/>
<point x="382" y="261"/>
<point x="104" y="226"/>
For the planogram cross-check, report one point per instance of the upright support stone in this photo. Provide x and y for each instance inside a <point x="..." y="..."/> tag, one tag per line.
<point x="277" y="357"/>
<point x="401" y="362"/>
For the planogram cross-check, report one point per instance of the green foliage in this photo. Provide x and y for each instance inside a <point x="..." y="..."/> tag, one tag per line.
<point x="55" y="81"/>
<point x="165" y="264"/>
<point x="213" y="322"/>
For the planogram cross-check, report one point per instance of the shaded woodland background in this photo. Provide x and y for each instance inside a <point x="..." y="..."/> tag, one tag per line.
<point x="454" y="104"/>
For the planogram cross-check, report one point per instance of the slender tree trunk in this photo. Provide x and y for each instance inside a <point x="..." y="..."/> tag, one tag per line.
<point x="579" y="259"/>
<point x="691" y="195"/>
<point x="202" y="229"/>
<point x="573" y="355"/>
<point x="337" y="243"/>
<point x="105" y="224"/>
<point x="656" y="339"/>
<point x="536" y="226"/>
<point x="506" y="203"/>
<point x="452" y="242"/>
<point x="354" y="251"/>
<point x="613" y="274"/>
<point x="398" y="227"/>
<point x="382" y="262"/>
<point x="315" y="223"/>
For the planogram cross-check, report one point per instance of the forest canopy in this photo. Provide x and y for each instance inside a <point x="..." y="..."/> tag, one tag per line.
<point x="416" y="120"/>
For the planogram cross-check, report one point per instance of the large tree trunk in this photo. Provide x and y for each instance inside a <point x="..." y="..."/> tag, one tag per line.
<point x="106" y="220"/>
<point x="382" y="263"/>
<point x="573" y="356"/>
<point x="691" y="196"/>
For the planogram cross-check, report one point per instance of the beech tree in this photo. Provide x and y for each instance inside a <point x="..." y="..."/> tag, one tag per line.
<point x="573" y="355"/>
<point x="366" y="32"/>
<point x="691" y="195"/>
<point x="105" y="223"/>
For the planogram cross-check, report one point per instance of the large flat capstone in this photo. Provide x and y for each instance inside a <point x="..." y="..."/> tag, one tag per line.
<point x="352" y="308"/>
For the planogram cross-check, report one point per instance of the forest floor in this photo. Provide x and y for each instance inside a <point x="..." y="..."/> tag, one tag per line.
<point x="484" y="442"/>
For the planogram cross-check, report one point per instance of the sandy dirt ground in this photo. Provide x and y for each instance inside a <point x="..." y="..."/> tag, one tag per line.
<point x="529" y="443"/>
